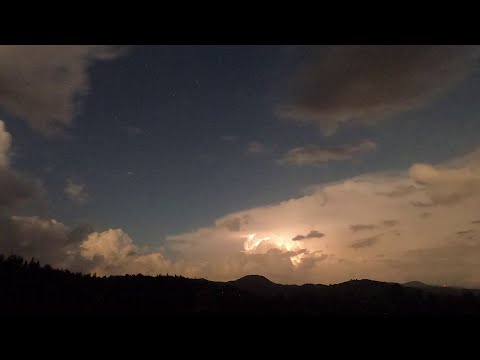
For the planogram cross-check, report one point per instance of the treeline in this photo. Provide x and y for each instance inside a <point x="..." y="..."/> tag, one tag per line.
<point x="28" y="288"/>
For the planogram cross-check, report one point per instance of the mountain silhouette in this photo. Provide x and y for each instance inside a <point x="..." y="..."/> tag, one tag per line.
<point x="417" y="284"/>
<point x="27" y="288"/>
<point x="257" y="284"/>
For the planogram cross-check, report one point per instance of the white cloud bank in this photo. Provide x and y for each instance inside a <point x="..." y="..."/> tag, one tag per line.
<point x="372" y="226"/>
<point x="366" y="233"/>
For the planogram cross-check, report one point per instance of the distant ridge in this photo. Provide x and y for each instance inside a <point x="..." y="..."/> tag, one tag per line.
<point x="257" y="279"/>
<point x="417" y="284"/>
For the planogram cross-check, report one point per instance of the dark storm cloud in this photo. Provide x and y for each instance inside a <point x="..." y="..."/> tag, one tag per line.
<point x="465" y="232"/>
<point x="43" y="84"/>
<point x="389" y="223"/>
<point x="367" y="242"/>
<point x="316" y="154"/>
<point x="365" y="84"/>
<point x="362" y="227"/>
<point x="425" y="215"/>
<point x="421" y="204"/>
<point x="476" y="222"/>
<point x="45" y="239"/>
<point x="80" y="233"/>
<point x="28" y="236"/>
<point x="15" y="188"/>
<point x="399" y="191"/>
<point x="310" y="235"/>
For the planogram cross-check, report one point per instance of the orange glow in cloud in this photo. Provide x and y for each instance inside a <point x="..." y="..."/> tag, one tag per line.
<point x="254" y="244"/>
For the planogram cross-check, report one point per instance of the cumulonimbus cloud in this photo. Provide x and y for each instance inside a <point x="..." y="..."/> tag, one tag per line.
<point x="261" y="241"/>
<point x="316" y="154"/>
<point x="269" y="241"/>
<point x="44" y="84"/>
<point x="366" y="84"/>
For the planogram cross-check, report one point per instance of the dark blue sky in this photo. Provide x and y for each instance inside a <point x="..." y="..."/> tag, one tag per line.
<point x="179" y="171"/>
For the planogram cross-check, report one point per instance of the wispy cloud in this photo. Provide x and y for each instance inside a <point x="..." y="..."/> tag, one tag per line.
<point x="310" y="235"/>
<point x="133" y="130"/>
<point x="256" y="147"/>
<point x="229" y="138"/>
<point x="76" y="192"/>
<point x="367" y="242"/>
<point x="316" y="154"/>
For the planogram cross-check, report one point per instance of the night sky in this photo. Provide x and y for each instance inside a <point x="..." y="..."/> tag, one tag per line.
<point x="300" y="163"/>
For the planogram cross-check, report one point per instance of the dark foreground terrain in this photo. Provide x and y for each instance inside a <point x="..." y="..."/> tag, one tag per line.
<point x="27" y="288"/>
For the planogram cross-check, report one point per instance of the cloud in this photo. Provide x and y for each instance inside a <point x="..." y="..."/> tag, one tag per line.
<point x="389" y="223"/>
<point x="268" y="243"/>
<point x="234" y="223"/>
<point x="32" y="236"/>
<point x="256" y="147"/>
<point x="315" y="154"/>
<point x="5" y="142"/>
<point x="366" y="84"/>
<point x="261" y="241"/>
<point x="112" y="245"/>
<point x="114" y="252"/>
<point x="76" y="192"/>
<point x="368" y="227"/>
<point x="367" y="242"/>
<point x="14" y="188"/>
<point x="445" y="185"/>
<point x="425" y="215"/>
<point x="229" y="138"/>
<point x="421" y="204"/>
<point x="361" y="227"/>
<point x="310" y="235"/>
<point x="43" y="85"/>
<point x="79" y="247"/>
<point x="29" y="236"/>
<point x="133" y="130"/>
<point x="453" y="263"/>
<point x="401" y="191"/>
<point x="264" y="240"/>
